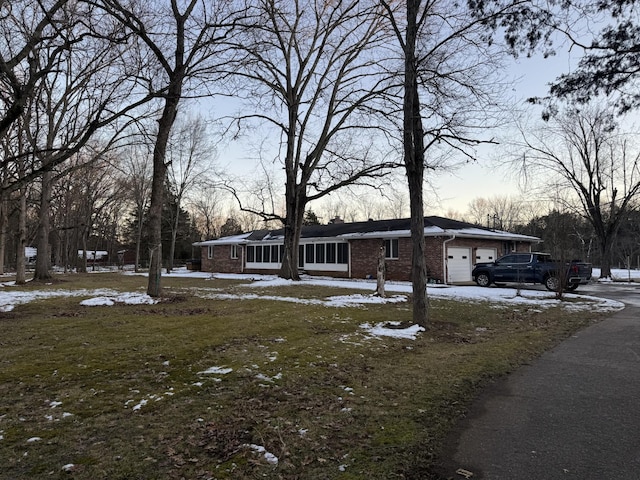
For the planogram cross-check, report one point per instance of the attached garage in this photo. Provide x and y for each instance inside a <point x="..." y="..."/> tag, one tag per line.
<point x="484" y="255"/>
<point x="458" y="264"/>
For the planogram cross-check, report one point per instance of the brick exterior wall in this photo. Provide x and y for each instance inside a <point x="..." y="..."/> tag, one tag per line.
<point x="364" y="257"/>
<point x="222" y="261"/>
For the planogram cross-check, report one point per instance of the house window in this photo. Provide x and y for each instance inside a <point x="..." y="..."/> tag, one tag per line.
<point x="210" y="251"/>
<point x="343" y="252"/>
<point x="266" y="256"/>
<point x="258" y="253"/>
<point x="251" y="254"/>
<point x="234" y="251"/>
<point x="274" y="254"/>
<point x="320" y="253"/>
<point x="308" y="256"/>
<point x="391" y="248"/>
<point x="300" y="256"/>
<point x="331" y="253"/>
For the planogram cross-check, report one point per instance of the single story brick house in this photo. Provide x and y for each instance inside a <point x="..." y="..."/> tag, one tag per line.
<point x="350" y="250"/>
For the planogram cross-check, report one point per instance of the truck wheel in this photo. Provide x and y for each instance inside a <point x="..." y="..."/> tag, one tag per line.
<point x="483" y="280"/>
<point x="552" y="283"/>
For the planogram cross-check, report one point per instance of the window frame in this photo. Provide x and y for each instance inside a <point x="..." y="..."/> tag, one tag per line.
<point x="391" y="253"/>
<point x="342" y="253"/>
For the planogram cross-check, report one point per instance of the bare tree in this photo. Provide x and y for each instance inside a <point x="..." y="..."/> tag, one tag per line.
<point x="184" y="44"/>
<point x="583" y="151"/>
<point x="450" y="91"/>
<point x="79" y="86"/>
<point x="74" y="78"/>
<point x="190" y="154"/>
<point x="309" y="71"/>
<point x="138" y="170"/>
<point x="27" y="27"/>
<point x="205" y="206"/>
<point x="90" y="191"/>
<point x="500" y="212"/>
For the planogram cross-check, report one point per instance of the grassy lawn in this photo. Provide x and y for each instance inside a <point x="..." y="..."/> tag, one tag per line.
<point x="120" y="392"/>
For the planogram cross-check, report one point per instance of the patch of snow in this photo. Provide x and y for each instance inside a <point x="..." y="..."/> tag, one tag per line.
<point x="269" y="457"/>
<point x="128" y="298"/>
<point x="69" y="467"/>
<point x="54" y="404"/>
<point x="216" y="371"/>
<point x="359" y="299"/>
<point x="382" y="330"/>
<point x="272" y="282"/>
<point x="10" y="298"/>
<point x="142" y="403"/>
<point x="265" y="378"/>
<point x="33" y="439"/>
<point x="136" y="299"/>
<point x="98" y="302"/>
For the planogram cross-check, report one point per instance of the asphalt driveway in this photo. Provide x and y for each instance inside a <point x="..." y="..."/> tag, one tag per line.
<point x="573" y="413"/>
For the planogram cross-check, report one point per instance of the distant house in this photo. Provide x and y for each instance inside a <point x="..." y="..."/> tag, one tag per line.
<point x="94" y="255"/>
<point x="30" y="254"/>
<point x="350" y="250"/>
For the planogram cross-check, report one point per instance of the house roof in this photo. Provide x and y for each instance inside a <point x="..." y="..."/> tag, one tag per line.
<point x="433" y="227"/>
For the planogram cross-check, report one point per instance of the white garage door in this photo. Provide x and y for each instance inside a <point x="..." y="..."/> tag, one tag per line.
<point x="484" y="255"/>
<point x="458" y="264"/>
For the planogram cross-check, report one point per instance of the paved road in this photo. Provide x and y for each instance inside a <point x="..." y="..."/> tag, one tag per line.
<point x="574" y="413"/>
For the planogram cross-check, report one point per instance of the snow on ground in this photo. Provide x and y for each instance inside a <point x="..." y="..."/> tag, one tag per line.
<point x="10" y="297"/>
<point x="388" y="330"/>
<point x="504" y="297"/>
<point x="126" y="298"/>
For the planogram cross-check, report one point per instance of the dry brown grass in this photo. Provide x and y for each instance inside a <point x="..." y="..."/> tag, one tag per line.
<point x="306" y="383"/>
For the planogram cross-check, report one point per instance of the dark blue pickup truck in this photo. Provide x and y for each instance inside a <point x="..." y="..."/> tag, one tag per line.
<point x="532" y="268"/>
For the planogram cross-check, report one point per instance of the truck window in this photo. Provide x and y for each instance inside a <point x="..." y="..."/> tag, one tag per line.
<point x="522" y="258"/>
<point x="507" y="259"/>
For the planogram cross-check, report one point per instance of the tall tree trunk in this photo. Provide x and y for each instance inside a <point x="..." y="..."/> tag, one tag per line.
<point x="165" y="123"/>
<point x="21" y="277"/>
<point x="606" y="248"/>
<point x="174" y="234"/>
<point x="65" y="248"/>
<point x="4" y="224"/>
<point x="83" y="239"/>
<point x="413" y="136"/>
<point x="295" y="204"/>
<point x="43" y="258"/>
<point x="381" y="271"/>
<point x="136" y="267"/>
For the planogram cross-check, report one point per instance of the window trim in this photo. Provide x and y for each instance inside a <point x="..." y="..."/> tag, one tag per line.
<point x="391" y="253"/>
<point x="234" y="251"/>
<point x="209" y="252"/>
